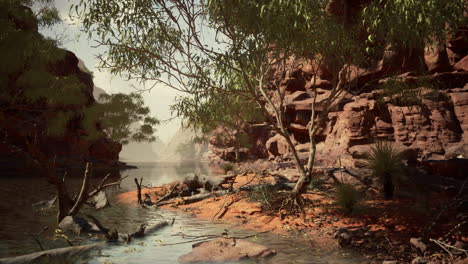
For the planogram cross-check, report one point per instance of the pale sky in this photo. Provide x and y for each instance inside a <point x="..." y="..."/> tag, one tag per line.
<point x="158" y="99"/>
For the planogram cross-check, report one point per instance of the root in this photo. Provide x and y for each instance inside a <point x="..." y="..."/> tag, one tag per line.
<point x="292" y="205"/>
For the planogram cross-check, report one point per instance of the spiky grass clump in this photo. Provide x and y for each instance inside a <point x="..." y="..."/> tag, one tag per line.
<point x="383" y="159"/>
<point x="385" y="162"/>
<point x="347" y="197"/>
<point x="264" y="195"/>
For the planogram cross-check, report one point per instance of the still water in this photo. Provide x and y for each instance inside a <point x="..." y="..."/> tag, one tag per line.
<point x="18" y="222"/>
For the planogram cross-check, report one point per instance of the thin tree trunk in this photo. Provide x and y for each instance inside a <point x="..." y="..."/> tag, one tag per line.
<point x="236" y="149"/>
<point x="140" y="201"/>
<point x="305" y="179"/>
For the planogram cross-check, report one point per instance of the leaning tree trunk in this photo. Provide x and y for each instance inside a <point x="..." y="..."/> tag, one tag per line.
<point x="64" y="203"/>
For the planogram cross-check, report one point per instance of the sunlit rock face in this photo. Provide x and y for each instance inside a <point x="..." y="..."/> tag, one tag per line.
<point x="28" y="121"/>
<point x="433" y="128"/>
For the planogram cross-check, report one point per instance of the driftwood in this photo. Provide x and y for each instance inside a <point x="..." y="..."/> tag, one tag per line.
<point x="168" y="196"/>
<point x="148" y="229"/>
<point x="44" y="205"/>
<point x="199" y="197"/>
<point x="51" y="253"/>
<point x="202" y="196"/>
<point x="113" y="235"/>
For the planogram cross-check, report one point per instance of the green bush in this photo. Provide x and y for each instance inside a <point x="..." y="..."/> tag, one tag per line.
<point x="347" y="197"/>
<point x="385" y="162"/>
<point x="227" y="167"/>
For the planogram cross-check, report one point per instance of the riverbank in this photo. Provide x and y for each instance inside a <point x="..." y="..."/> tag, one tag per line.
<point x="380" y="230"/>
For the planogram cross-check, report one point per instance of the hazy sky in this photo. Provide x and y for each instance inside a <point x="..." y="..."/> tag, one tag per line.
<point x="159" y="99"/>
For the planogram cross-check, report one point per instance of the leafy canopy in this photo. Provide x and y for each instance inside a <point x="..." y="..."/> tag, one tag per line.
<point x="411" y="23"/>
<point x="121" y="117"/>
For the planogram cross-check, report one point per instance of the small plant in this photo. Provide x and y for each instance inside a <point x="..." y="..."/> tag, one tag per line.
<point x="409" y="94"/>
<point x="316" y="182"/>
<point x="266" y="195"/>
<point x="227" y="167"/>
<point x="385" y="162"/>
<point x="347" y="197"/>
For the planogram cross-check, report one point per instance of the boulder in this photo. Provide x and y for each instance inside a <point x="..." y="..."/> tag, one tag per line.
<point x="101" y="200"/>
<point x="436" y="59"/>
<point x="221" y="250"/>
<point x="277" y="145"/>
<point x="194" y="182"/>
<point x="418" y="244"/>
<point x="77" y="225"/>
<point x="462" y="65"/>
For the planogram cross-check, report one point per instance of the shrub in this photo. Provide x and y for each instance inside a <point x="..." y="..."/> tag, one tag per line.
<point x="316" y="182"/>
<point x="227" y="167"/>
<point x="266" y="195"/>
<point x="385" y="162"/>
<point x="347" y="197"/>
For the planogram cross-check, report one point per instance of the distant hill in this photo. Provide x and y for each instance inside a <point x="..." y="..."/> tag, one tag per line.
<point x="182" y="136"/>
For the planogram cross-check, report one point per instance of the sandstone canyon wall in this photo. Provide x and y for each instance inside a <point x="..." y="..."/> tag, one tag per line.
<point x="24" y="120"/>
<point x="433" y="127"/>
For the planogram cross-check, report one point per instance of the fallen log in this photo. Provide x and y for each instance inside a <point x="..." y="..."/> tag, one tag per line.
<point x="202" y="196"/>
<point x="47" y="255"/>
<point x="199" y="197"/>
<point x="145" y="230"/>
<point x="167" y="196"/>
<point x="113" y="235"/>
<point x="44" y="205"/>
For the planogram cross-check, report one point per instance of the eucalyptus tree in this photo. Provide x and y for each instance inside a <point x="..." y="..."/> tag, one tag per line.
<point x="121" y="117"/>
<point x="203" y="47"/>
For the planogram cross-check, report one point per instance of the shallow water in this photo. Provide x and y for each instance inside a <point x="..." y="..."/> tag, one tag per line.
<point x="19" y="221"/>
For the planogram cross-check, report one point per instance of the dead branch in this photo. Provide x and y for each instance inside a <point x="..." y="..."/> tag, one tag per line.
<point x="138" y="184"/>
<point x="455" y="228"/>
<point x="167" y="196"/>
<point x="223" y="207"/>
<point x="46" y="255"/>
<point x="446" y="247"/>
<point x="155" y="227"/>
<point x="110" y="235"/>
<point x="199" y="197"/>
<point x="83" y="195"/>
